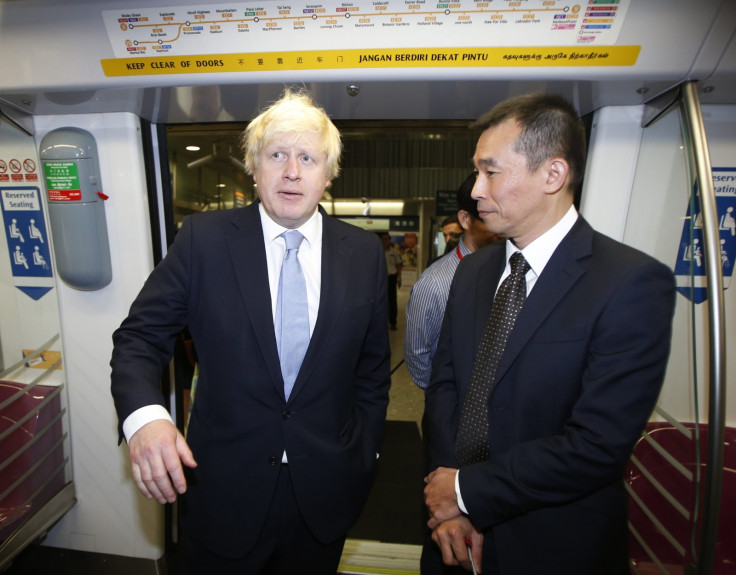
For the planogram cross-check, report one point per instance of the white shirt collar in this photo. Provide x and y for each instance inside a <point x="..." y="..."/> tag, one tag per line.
<point x="540" y="250"/>
<point x="311" y="229"/>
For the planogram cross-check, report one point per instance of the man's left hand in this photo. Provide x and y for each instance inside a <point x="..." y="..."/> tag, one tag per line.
<point x="440" y="497"/>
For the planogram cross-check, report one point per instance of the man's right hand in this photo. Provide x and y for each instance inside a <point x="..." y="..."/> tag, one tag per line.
<point x="451" y="537"/>
<point x="157" y="451"/>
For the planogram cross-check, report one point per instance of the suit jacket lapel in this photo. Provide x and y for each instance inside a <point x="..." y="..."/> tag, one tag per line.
<point x="561" y="272"/>
<point x="248" y="252"/>
<point x="485" y="291"/>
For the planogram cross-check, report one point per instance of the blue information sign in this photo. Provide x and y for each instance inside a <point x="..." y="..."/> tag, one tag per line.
<point x="690" y="265"/>
<point x="25" y="230"/>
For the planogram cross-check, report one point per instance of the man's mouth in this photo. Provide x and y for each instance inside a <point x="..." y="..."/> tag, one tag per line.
<point x="290" y="193"/>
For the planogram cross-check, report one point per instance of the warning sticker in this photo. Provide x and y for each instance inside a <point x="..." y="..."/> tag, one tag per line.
<point x="62" y="181"/>
<point x="504" y="57"/>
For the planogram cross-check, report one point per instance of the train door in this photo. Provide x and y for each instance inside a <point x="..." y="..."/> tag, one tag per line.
<point x="397" y="177"/>
<point x="681" y="478"/>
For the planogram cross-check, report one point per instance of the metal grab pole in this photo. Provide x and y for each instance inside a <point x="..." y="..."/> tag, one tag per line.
<point x="695" y="129"/>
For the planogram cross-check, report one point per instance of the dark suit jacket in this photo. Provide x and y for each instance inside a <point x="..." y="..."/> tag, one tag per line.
<point x="579" y="377"/>
<point x="214" y="280"/>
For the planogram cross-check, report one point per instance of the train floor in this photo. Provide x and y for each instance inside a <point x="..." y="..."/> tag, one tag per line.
<point x="387" y="537"/>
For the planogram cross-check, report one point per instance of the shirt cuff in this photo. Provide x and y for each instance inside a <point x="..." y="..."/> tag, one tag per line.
<point x="460" y="502"/>
<point x="141" y="417"/>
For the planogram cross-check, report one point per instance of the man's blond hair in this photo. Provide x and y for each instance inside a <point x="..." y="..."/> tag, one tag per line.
<point x="294" y="113"/>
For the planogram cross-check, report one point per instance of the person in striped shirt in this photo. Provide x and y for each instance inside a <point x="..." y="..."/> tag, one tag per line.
<point x="428" y="298"/>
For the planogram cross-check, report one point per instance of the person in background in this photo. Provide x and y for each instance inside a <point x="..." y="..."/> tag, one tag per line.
<point x="533" y="412"/>
<point x="451" y="232"/>
<point x="426" y="306"/>
<point x="452" y="229"/>
<point x="284" y="434"/>
<point x="393" y="266"/>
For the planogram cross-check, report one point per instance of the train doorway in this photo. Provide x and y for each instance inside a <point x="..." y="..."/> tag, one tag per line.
<point x="396" y="177"/>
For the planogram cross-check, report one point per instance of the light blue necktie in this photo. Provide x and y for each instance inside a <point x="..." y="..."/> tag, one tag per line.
<point x="292" y="312"/>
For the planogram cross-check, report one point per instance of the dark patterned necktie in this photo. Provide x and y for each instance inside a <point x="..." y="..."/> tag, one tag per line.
<point x="472" y="434"/>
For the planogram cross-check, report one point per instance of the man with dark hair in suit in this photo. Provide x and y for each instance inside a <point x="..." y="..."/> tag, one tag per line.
<point x="534" y="406"/>
<point x="293" y="363"/>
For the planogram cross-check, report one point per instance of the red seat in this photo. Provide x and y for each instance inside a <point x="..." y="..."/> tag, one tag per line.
<point x="42" y="459"/>
<point x="674" y="555"/>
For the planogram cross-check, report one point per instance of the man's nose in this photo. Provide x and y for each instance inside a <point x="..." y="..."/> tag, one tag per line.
<point x="477" y="192"/>
<point x="292" y="169"/>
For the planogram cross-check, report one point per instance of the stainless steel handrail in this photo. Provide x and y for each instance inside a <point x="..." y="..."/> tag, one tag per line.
<point x="695" y="132"/>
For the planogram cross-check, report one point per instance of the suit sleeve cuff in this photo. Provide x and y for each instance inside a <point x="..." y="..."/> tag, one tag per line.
<point x="141" y="417"/>
<point x="459" y="496"/>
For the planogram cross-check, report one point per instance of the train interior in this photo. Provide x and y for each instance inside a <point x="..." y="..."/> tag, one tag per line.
<point x="160" y="96"/>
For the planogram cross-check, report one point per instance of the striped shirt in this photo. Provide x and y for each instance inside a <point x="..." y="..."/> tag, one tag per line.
<point x="425" y="311"/>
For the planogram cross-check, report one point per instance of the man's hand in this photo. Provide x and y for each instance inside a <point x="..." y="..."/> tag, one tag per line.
<point x="451" y="535"/>
<point x="157" y="451"/>
<point x="440" y="497"/>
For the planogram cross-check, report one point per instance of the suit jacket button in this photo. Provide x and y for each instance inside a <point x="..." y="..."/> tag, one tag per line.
<point x="286" y="414"/>
<point x="273" y="460"/>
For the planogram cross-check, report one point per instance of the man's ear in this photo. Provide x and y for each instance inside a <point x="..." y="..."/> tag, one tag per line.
<point x="464" y="218"/>
<point x="556" y="171"/>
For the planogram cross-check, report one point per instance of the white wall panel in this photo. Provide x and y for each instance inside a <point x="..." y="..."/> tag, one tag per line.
<point x="614" y="147"/>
